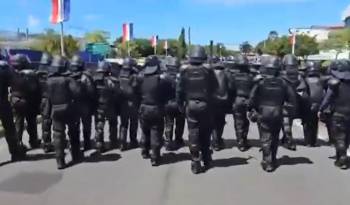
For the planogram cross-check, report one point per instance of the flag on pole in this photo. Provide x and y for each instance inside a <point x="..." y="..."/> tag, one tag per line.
<point x="154" y="41"/>
<point x="292" y="39"/>
<point x="128" y="32"/>
<point x="166" y="46"/>
<point x="60" y="11"/>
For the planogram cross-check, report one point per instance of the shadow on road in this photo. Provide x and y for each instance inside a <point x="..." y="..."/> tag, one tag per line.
<point x="172" y="158"/>
<point x="231" y="143"/>
<point x="38" y="157"/>
<point x="230" y="162"/>
<point x="96" y="158"/>
<point x="290" y="161"/>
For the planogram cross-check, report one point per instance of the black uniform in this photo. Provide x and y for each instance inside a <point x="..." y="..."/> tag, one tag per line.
<point x="173" y="116"/>
<point x="195" y="91"/>
<point x="45" y="108"/>
<point x="222" y="101"/>
<point x="153" y="98"/>
<point x="267" y="99"/>
<point x="312" y="103"/>
<point x="337" y="98"/>
<point x="86" y="102"/>
<point x="293" y="78"/>
<point x="107" y="96"/>
<point x="242" y="82"/>
<point x="129" y="104"/>
<point x="63" y="93"/>
<point x="16" y="150"/>
<point x="25" y="98"/>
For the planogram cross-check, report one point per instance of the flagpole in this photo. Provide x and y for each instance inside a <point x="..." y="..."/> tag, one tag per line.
<point x="155" y="49"/>
<point x="294" y="42"/>
<point x="128" y="48"/>
<point x="62" y="40"/>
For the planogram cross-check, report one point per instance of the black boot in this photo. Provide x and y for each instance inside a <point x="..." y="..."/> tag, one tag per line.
<point x="48" y="148"/>
<point x="100" y="147"/>
<point x="87" y="145"/>
<point x="289" y="144"/>
<point x="268" y="166"/>
<point x="61" y="163"/>
<point x="196" y="167"/>
<point x="155" y="157"/>
<point x="207" y="160"/>
<point x="133" y="144"/>
<point x="19" y="154"/>
<point x="145" y="154"/>
<point x="35" y="144"/>
<point x="243" y="145"/>
<point x="178" y="143"/>
<point x="77" y="157"/>
<point x="123" y="135"/>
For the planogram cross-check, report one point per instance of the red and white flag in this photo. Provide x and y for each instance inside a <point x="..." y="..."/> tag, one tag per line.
<point x="292" y="39"/>
<point x="60" y="11"/>
<point x="166" y="46"/>
<point x="154" y="41"/>
<point x="128" y="32"/>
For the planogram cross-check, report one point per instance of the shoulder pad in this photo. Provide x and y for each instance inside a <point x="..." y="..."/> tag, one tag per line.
<point x="257" y="78"/>
<point x="333" y="83"/>
<point x="184" y="67"/>
<point x="27" y="72"/>
<point x="162" y="76"/>
<point x="3" y="63"/>
<point x="207" y="66"/>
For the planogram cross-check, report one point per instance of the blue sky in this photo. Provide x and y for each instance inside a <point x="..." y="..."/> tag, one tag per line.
<point x="227" y="21"/>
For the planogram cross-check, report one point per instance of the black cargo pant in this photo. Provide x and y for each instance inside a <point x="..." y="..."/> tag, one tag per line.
<point x="340" y="129"/>
<point x="152" y="126"/>
<point x="85" y="118"/>
<point x="59" y="133"/>
<point x="219" y="122"/>
<point x="6" y="118"/>
<point x="128" y="116"/>
<point x="241" y="121"/>
<point x="173" y="117"/>
<point x="310" y="124"/>
<point x="269" y="137"/>
<point x="199" y="129"/>
<point x="100" y="119"/>
<point x="46" y="121"/>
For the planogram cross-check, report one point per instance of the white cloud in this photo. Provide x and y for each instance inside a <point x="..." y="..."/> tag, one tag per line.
<point x="33" y="21"/>
<point x="346" y="13"/>
<point x="240" y="2"/>
<point x="92" y="17"/>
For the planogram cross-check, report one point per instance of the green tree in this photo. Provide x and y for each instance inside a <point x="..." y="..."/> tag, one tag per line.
<point x="97" y="36"/>
<point x="182" y="47"/>
<point x="337" y="40"/>
<point x="245" y="47"/>
<point x="50" y="42"/>
<point x="305" y="46"/>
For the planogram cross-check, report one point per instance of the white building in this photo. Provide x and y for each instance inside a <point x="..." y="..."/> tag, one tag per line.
<point x="320" y="33"/>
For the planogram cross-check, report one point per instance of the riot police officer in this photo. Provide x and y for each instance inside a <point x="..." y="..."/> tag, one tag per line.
<point x="153" y="97"/>
<point x="173" y="116"/>
<point x="266" y="102"/>
<point x="292" y="76"/>
<point x="222" y="101"/>
<point x="45" y="110"/>
<point x="242" y="82"/>
<point x="337" y="97"/>
<point x="312" y="103"/>
<point x="129" y="104"/>
<point x="63" y="93"/>
<point x="86" y="100"/>
<point x="25" y="98"/>
<point x="16" y="150"/>
<point x="108" y="93"/>
<point x="194" y="93"/>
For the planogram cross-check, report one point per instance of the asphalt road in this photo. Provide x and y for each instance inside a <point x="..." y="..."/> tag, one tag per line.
<point x="304" y="177"/>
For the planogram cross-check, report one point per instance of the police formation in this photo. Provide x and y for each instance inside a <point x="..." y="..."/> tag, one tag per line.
<point x="162" y="95"/>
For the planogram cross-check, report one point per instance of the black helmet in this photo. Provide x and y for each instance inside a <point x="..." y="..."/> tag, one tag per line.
<point x="129" y="62"/>
<point x="312" y="69"/>
<point x="343" y="69"/>
<point x="197" y="55"/>
<point x="59" y="64"/>
<point x="20" y="62"/>
<point x="152" y="65"/>
<point x="290" y="60"/>
<point x="270" y="65"/>
<point x="46" y="59"/>
<point x="104" y="67"/>
<point x="76" y="64"/>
